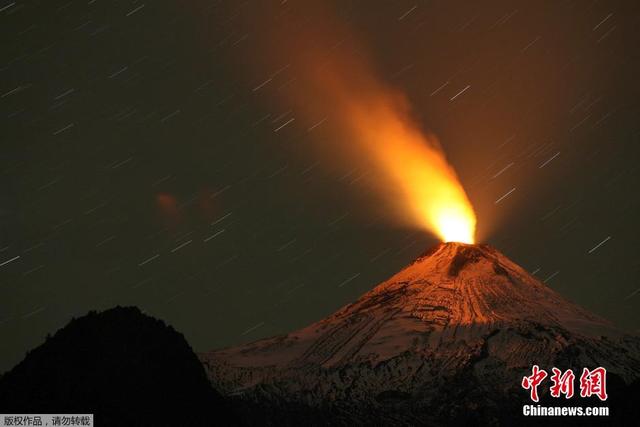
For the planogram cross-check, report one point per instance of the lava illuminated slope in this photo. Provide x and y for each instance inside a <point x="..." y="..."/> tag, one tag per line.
<point x="460" y="314"/>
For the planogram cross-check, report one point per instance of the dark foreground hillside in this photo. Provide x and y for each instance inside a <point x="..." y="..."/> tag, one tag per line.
<point x="122" y="365"/>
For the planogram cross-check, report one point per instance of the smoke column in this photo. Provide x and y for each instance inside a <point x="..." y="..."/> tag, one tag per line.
<point x="368" y="119"/>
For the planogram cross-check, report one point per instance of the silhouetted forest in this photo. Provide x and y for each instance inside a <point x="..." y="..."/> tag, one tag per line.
<point x="123" y="366"/>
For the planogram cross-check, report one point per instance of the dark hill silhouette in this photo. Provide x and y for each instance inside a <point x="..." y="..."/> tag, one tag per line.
<point x="122" y="365"/>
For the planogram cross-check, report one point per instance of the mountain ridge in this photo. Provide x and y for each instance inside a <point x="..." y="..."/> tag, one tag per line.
<point x="458" y="311"/>
<point x="120" y="364"/>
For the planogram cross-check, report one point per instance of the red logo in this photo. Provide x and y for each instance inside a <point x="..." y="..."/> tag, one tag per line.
<point x="532" y="382"/>
<point x="592" y="382"/>
<point x="562" y="383"/>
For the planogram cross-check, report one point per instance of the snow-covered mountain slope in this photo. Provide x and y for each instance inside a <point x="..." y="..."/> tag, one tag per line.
<point x="458" y="313"/>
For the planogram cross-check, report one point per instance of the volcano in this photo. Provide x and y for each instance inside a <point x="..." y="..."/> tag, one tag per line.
<point x="446" y="340"/>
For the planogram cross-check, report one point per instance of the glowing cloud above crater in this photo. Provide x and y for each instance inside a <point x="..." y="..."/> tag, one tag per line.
<point x="413" y="168"/>
<point x="369" y="123"/>
<point x="455" y="226"/>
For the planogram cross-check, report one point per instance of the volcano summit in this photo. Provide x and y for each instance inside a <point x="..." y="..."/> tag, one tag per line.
<point x="446" y="340"/>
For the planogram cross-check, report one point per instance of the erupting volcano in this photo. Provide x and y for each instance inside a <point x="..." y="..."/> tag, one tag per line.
<point x="453" y="331"/>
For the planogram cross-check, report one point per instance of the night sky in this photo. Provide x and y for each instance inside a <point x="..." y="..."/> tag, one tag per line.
<point x="148" y="160"/>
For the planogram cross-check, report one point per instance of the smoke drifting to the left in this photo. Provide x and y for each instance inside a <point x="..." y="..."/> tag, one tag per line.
<point x="367" y="119"/>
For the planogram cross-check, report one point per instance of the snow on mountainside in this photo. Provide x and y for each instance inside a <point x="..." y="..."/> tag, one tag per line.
<point x="458" y="313"/>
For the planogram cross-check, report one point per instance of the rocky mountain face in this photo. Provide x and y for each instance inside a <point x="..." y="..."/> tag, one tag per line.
<point x="445" y="341"/>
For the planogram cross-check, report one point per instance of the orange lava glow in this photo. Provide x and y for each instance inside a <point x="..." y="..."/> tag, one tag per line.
<point x="329" y="79"/>
<point x="433" y="195"/>
<point x="376" y="119"/>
